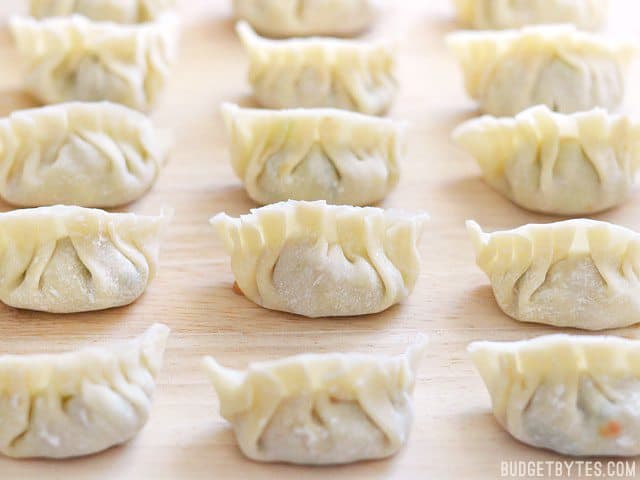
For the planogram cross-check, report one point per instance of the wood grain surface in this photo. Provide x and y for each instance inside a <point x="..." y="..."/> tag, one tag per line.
<point x="455" y="434"/>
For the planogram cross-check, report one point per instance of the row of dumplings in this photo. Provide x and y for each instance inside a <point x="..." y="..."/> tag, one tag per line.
<point x="575" y="395"/>
<point x="559" y="150"/>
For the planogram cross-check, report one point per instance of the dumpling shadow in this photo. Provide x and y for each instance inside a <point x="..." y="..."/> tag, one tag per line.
<point x="13" y="99"/>
<point x="245" y="100"/>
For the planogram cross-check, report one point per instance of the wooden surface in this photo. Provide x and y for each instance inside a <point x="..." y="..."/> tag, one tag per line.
<point x="455" y="434"/>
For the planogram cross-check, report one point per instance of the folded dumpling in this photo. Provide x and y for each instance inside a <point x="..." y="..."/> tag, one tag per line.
<point x="320" y="409"/>
<point x="119" y="11"/>
<point x="86" y="154"/>
<point x="320" y="260"/>
<point x="320" y="72"/>
<point x="317" y="154"/>
<point x="577" y="273"/>
<point x="293" y="18"/>
<point x="557" y="66"/>
<point x="563" y="164"/>
<point x="71" y="259"/>
<point x="503" y="14"/>
<point x="575" y="395"/>
<point x="73" y="58"/>
<point x="78" y="403"/>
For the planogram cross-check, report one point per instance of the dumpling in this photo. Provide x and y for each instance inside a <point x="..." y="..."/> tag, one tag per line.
<point x="320" y="72"/>
<point x="66" y="259"/>
<point x="575" y="395"/>
<point x="120" y="11"/>
<point x="320" y="409"/>
<point x="557" y="66"/>
<point x="554" y="163"/>
<point x="73" y="58"/>
<point x="577" y="273"/>
<point x="502" y="14"/>
<point x="293" y="18"/>
<point x="319" y="154"/>
<point x="78" y="403"/>
<point x="86" y="154"/>
<point x="319" y="260"/>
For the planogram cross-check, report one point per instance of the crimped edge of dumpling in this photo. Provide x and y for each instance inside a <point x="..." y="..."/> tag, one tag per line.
<point x="491" y="141"/>
<point x="245" y="120"/>
<point x="235" y="387"/>
<point x="71" y="219"/>
<point x="257" y="46"/>
<point x="39" y="372"/>
<point x="554" y="356"/>
<point x="479" y="51"/>
<point x="317" y="216"/>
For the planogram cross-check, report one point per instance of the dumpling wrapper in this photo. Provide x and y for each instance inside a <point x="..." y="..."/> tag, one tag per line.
<point x="118" y="11"/>
<point x="505" y="14"/>
<point x="576" y="164"/>
<point x="575" y="395"/>
<point x="576" y="273"/>
<point x="292" y="18"/>
<point x="316" y="154"/>
<point x="65" y="259"/>
<point x="75" y="59"/>
<point x="320" y="409"/>
<point x="554" y="65"/>
<point x="78" y="403"/>
<point x="85" y="154"/>
<point x="320" y="72"/>
<point x="319" y="260"/>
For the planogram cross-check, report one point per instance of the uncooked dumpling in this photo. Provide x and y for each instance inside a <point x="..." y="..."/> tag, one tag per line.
<point x="78" y="403"/>
<point x="296" y="18"/>
<point x="316" y="154"/>
<point x="119" y="11"/>
<point x="319" y="260"/>
<point x="320" y="73"/>
<point x="85" y="154"/>
<point x="73" y="58"/>
<point x="576" y="164"/>
<point x="571" y="394"/>
<point x="557" y="66"/>
<point x="502" y="14"/>
<point x="577" y="273"/>
<point x="320" y="409"/>
<point x="66" y="259"/>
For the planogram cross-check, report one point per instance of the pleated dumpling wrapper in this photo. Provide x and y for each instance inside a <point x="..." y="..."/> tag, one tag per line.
<point x="78" y="403"/>
<point x="504" y="14"/>
<point x="292" y="18"/>
<point x="576" y="395"/>
<point x="559" y="164"/>
<point x="118" y="11"/>
<point x="86" y="154"/>
<point x="75" y="59"/>
<point x="319" y="260"/>
<point x="576" y="273"/>
<point x="554" y="65"/>
<point x="320" y="409"/>
<point x="321" y="72"/>
<point x="315" y="154"/>
<point x="65" y="259"/>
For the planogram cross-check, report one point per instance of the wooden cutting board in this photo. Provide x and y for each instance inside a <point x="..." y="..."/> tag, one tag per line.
<point x="455" y="434"/>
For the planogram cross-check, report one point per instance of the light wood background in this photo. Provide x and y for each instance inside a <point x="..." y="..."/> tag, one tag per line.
<point x="455" y="435"/>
